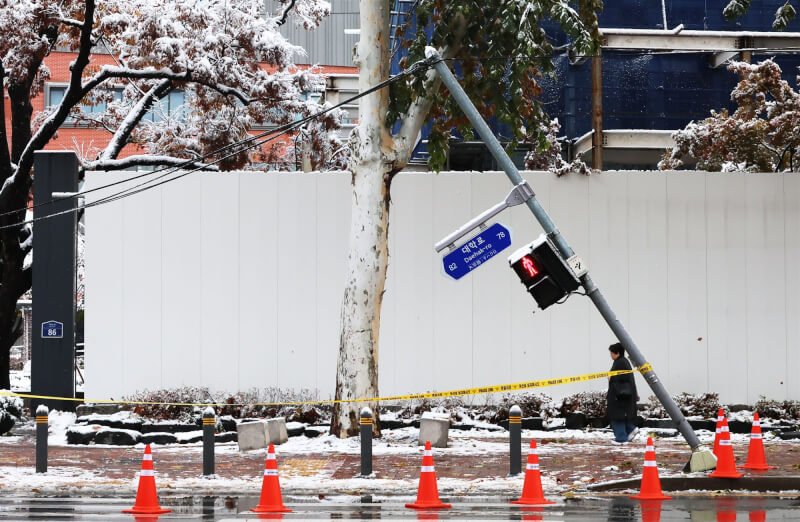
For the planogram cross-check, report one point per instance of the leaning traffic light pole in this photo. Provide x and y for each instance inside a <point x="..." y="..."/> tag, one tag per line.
<point x="702" y="458"/>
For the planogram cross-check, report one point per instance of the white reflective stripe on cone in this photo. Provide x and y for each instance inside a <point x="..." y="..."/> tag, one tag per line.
<point x="270" y="472"/>
<point x="755" y="435"/>
<point x="719" y="418"/>
<point x="270" y="456"/>
<point x="649" y="449"/>
<point x="147" y="473"/>
<point x="428" y="469"/>
<point x="428" y="453"/>
<point x="147" y="456"/>
<point x="533" y="452"/>
<point x="724" y="442"/>
<point x="757" y="423"/>
<point x="725" y="428"/>
<point x="719" y="430"/>
<point x="649" y="463"/>
<point x="532" y="466"/>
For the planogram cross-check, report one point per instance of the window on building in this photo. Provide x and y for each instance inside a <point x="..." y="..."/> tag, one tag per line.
<point x="56" y="94"/>
<point x="171" y="104"/>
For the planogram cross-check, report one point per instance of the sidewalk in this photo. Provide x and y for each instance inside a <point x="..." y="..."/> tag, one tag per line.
<point x="474" y="464"/>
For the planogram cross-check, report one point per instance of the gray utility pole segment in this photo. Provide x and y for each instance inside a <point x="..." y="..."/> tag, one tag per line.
<point x="550" y="228"/>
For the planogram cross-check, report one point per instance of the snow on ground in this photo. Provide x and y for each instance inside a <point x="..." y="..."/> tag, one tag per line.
<point x="404" y="441"/>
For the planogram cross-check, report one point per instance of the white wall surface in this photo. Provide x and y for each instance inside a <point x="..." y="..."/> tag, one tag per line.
<point x="234" y="281"/>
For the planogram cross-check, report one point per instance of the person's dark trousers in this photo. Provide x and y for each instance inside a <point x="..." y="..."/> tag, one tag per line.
<point x="621" y="430"/>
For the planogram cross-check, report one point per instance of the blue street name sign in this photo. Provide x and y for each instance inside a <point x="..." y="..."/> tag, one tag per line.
<point x="52" y="330"/>
<point x="476" y="251"/>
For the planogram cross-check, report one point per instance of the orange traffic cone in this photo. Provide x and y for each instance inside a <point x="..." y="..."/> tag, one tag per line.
<point x="756" y="460"/>
<point x="718" y="431"/>
<point x="532" y="488"/>
<point x="726" y="510"/>
<point x="726" y="463"/>
<point x="651" y="510"/>
<point x="651" y="485"/>
<point x="270" y="501"/>
<point x="428" y="492"/>
<point x="146" y="496"/>
<point x="757" y="516"/>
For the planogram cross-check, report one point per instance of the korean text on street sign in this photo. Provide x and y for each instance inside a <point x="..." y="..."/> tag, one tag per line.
<point x="476" y="251"/>
<point x="52" y="330"/>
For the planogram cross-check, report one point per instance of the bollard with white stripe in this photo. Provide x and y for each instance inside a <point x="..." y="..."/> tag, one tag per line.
<point x="209" y="430"/>
<point x="41" y="438"/>
<point x="514" y="441"/>
<point x="366" y="443"/>
<point x="532" y="494"/>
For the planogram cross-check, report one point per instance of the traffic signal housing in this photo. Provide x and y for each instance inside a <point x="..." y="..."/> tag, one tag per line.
<point x="543" y="271"/>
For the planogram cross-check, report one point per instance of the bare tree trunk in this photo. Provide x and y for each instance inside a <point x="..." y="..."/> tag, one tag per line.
<point x="372" y="158"/>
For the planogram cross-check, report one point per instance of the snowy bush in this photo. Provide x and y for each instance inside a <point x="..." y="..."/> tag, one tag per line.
<point x="703" y="405"/>
<point x="592" y="404"/>
<point x="266" y="402"/>
<point x="786" y="410"/>
<point x="533" y="404"/>
<point x="10" y="412"/>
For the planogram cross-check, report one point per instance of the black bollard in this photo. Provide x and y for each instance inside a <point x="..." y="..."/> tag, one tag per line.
<point x="209" y="428"/>
<point x="515" y="440"/>
<point x="366" y="443"/>
<point x="41" y="438"/>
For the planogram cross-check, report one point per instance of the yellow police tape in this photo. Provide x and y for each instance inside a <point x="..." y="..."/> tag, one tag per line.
<point x="431" y="395"/>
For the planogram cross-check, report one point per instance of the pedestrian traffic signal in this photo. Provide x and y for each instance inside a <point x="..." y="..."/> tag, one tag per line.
<point x="543" y="271"/>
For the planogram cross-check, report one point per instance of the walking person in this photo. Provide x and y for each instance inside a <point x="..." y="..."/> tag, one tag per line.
<point x="621" y="397"/>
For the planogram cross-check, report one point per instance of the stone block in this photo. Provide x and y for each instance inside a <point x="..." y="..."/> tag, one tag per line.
<point x="252" y="435"/>
<point x="226" y="436"/>
<point x="117" y="437"/>
<point x="316" y="431"/>
<point x="576" y="421"/>
<point x="295" y="429"/>
<point x="81" y="434"/>
<point x="189" y="437"/>
<point x="435" y="430"/>
<point x="276" y="431"/>
<point x="159" y="438"/>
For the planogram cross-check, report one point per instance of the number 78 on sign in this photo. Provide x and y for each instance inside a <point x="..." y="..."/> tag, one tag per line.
<point x="476" y="251"/>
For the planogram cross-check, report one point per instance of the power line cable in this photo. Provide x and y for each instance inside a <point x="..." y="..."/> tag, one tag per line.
<point x="284" y="129"/>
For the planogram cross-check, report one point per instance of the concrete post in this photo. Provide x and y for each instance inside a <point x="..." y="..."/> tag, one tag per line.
<point x="209" y="428"/>
<point x="515" y="440"/>
<point x="366" y="442"/>
<point x="41" y="438"/>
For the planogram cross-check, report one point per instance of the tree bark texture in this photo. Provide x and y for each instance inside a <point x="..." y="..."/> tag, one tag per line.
<point x="372" y="164"/>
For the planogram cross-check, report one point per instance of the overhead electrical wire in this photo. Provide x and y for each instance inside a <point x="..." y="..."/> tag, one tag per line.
<point x="253" y="143"/>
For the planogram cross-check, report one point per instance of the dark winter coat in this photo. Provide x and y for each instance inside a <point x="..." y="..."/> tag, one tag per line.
<point x="619" y="410"/>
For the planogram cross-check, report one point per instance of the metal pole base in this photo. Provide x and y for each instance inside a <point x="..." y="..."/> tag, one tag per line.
<point x="703" y="459"/>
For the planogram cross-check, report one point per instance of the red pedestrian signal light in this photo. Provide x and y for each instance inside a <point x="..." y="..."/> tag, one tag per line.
<point x="529" y="266"/>
<point x="543" y="272"/>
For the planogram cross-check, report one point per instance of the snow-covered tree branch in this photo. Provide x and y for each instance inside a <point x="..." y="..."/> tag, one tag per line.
<point x="173" y="85"/>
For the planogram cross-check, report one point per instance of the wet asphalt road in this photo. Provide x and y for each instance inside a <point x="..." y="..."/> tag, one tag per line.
<point x="616" y="509"/>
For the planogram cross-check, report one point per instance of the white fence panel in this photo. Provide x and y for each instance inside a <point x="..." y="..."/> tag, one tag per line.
<point x="235" y="280"/>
